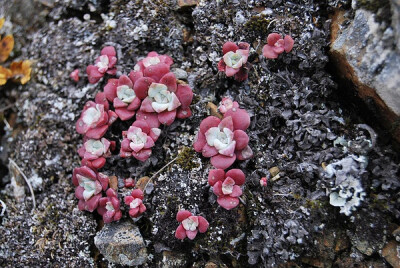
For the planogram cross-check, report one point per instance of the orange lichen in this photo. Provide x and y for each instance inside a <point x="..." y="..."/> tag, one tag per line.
<point x="6" y="46"/>
<point x="2" y="20"/>
<point x="21" y="71"/>
<point x="4" y="74"/>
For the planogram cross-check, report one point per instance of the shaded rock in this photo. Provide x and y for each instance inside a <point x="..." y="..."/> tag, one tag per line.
<point x="173" y="259"/>
<point x="122" y="243"/>
<point x="362" y="50"/>
<point x="391" y="253"/>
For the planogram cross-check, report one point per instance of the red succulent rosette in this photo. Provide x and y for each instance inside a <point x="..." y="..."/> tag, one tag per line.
<point x="109" y="207"/>
<point x="226" y="186"/>
<point x="95" y="118"/>
<point x="121" y="93"/>
<point x="276" y="45"/>
<point x="234" y="62"/>
<point x="105" y="63"/>
<point x="190" y="225"/>
<point x="135" y="203"/>
<point x="224" y="140"/>
<point x="94" y="152"/>
<point x="89" y="185"/>
<point x="164" y="100"/>
<point x="154" y="66"/>
<point x="138" y="140"/>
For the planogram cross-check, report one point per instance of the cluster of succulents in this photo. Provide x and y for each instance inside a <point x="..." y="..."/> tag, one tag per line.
<point x="151" y="93"/>
<point x="234" y="61"/>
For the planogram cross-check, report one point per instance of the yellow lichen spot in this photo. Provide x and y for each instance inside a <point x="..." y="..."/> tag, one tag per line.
<point x="21" y="71"/>
<point x="6" y="46"/>
<point x="4" y="75"/>
<point x="2" y="20"/>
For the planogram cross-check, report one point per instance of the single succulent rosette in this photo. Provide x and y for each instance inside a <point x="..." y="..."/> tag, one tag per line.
<point x="120" y="92"/>
<point x="224" y="140"/>
<point x="129" y="183"/>
<point x="89" y="185"/>
<point x="95" y="118"/>
<point x="234" y="62"/>
<point x="138" y="140"/>
<point x="227" y="186"/>
<point x="276" y="45"/>
<point x="94" y="152"/>
<point x="153" y="66"/>
<point x="135" y="203"/>
<point x="105" y="63"/>
<point x="190" y="225"/>
<point x="109" y="207"/>
<point x="163" y="101"/>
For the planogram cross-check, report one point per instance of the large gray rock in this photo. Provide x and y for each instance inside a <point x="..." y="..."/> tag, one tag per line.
<point x="122" y="243"/>
<point x="364" y="51"/>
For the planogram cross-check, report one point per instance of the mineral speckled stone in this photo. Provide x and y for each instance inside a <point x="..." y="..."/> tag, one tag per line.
<point x="121" y="243"/>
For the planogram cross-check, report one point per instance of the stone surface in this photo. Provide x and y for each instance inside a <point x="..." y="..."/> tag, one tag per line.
<point x="122" y="243"/>
<point x="363" y="51"/>
<point x="173" y="259"/>
<point x="391" y="253"/>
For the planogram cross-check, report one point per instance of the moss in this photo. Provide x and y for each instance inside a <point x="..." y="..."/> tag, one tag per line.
<point x="314" y="204"/>
<point x="185" y="159"/>
<point x="257" y="25"/>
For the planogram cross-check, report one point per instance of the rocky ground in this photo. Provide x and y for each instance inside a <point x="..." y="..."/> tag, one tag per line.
<point x="308" y="138"/>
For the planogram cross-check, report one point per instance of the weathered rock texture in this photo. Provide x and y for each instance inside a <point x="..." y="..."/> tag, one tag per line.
<point x="297" y="129"/>
<point x="366" y="52"/>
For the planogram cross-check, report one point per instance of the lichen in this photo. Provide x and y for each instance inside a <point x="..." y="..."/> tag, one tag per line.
<point x="185" y="158"/>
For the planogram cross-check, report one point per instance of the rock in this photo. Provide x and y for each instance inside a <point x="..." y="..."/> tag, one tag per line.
<point x="180" y="73"/>
<point x="121" y="243"/>
<point x="274" y="171"/>
<point x="362" y="50"/>
<point x="173" y="259"/>
<point x="391" y="253"/>
<point x="187" y="3"/>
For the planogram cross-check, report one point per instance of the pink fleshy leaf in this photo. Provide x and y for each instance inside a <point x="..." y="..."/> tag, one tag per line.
<point x="229" y="71"/>
<point x="150" y="118"/>
<point x="182" y="215"/>
<point x="185" y="95"/>
<point x="118" y="215"/>
<point x="222" y="161"/>
<point x="228" y="202"/>
<point x="143" y="125"/>
<point x="134" y="212"/>
<point x="137" y="193"/>
<point x="289" y="42"/>
<point x="229" y="150"/>
<point x="149" y="143"/>
<point x="236" y="191"/>
<point x="167" y="117"/>
<point x="124" y="114"/>
<point x="79" y="192"/>
<point x="166" y="59"/>
<point x="217" y="188"/>
<point x="128" y="199"/>
<point x="110" y="89"/>
<point x="143" y="155"/>
<point x="209" y="151"/>
<point x="229" y="46"/>
<point x="125" y="81"/>
<point x="99" y="162"/>
<point x="141" y="87"/>
<point x="199" y="142"/>
<point x="269" y="53"/>
<point x="245" y="154"/>
<point x="85" y="172"/>
<point x="112" y="71"/>
<point x="155" y="133"/>
<point x="108" y="216"/>
<point x="273" y="38"/>
<point x="244" y="46"/>
<point x="180" y="232"/>
<point x="215" y="175"/>
<point x="240" y="118"/>
<point x="237" y="175"/>
<point x="112" y="117"/>
<point x="156" y="71"/>
<point x="101" y="99"/>
<point x="183" y="113"/>
<point x="134" y="105"/>
<point x="97" y="133"/>
<point x="203" y="224"/>
<point x="119" y="103"/>
<point x="209" y="122"/>
<point x="241" y="138"/>
<point x="93" y="73"/>
<point x="227" y="122"/>
<point x="103" y="179"/>
<point x="109" y="51"/>
<point x="92" y="203"/>
<point x="75" y="75"/>
<point x="241" y="75"/>
<point x="146" y="105"/>
<point x="221" y="65"/>
<point x="169" y="80"/>
<point x="191" y="234"/>
<point x="135" y="75"/>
